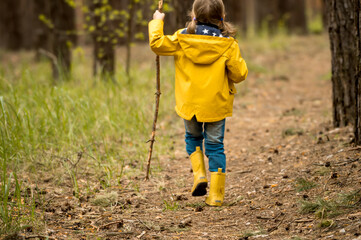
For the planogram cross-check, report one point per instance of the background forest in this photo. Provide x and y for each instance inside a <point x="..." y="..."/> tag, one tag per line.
<point x="77" y="84"/>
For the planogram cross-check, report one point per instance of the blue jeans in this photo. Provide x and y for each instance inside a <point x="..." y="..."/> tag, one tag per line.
<point x="213" y="134"/>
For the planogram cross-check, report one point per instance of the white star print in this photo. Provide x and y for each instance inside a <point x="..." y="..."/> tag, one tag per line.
<point x="205" y="31"/>
<point x="220" y="35"/>
<point x="214" y="34"/>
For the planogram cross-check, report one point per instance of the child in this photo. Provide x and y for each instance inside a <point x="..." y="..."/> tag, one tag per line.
<point x="208" y="63"/>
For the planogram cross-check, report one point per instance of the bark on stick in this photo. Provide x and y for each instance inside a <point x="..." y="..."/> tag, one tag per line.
<point x="157" y="98"/>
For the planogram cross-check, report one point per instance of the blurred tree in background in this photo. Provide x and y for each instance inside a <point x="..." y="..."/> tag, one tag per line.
<point x="291" y="14"/>
<point x="54" y="26"/>
<point x="62" y="34"/>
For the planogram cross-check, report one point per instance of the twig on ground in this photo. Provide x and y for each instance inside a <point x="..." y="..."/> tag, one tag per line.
<point x="349" y="161"/>
<point x="272" y="229"/>
<point x="241" y="172"/>
<point x="143" y="224"/>
<point x="110" y="234"/>
<point x="354" y="149"/>
<point x="111" y="223"/>
<point x="37" y="236"/>
<point x="141" y="235"/>
<point x="303" y="220"/>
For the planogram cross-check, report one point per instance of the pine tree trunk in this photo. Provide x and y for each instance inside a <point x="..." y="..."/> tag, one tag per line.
<point x="293" y="12"/>
<point x="237" y="13"/>
<point x="10" y="24"/>
<point x="63" y="17"/>
<point x="270" y="13"/>
<point x="104" y="50"/>
<point x="324" y="15"/>
<point x="181" y="10"/>
<point x="341" y="17"/>
<point x="266" y="15"/>
<point x="358" y="75"/>
<point x="132" y="10"/>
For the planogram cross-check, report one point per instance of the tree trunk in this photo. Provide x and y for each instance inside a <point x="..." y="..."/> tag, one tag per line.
<point x="293" y="12"/>
<point x="236" y="11"/>
<point x="358" y="75"/>
<point x="63" y="18"/>
<point x="267" y="15"/>
<point x="42" y="34"/>
<point x="104" y="50"/>
<point x="10" y="24"/>
<point x="130" y="21"/>
<point x="270" y="13"/>
<point x="324" y="15"/>
<point x="342" y="18"/>
<point x="181" y="10"/>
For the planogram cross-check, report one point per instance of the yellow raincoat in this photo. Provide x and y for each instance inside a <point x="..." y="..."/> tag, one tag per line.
<point x="206" y="69"/>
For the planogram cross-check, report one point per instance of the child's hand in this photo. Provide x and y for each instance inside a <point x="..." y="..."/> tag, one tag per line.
<point x="158" y="15"/>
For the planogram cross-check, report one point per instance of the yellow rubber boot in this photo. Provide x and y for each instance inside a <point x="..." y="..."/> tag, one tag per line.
<point x="199" y="171"/>
<point x="216" y="191"/>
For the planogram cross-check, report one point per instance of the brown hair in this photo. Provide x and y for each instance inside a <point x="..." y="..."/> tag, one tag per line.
<point x="210" y="11"/>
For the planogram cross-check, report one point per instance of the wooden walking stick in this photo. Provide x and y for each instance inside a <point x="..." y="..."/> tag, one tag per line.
<point x="157" y="97"/>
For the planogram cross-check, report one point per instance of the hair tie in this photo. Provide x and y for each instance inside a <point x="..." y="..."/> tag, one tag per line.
<point x="194" y="19"/>
<point x="222" y="19"/>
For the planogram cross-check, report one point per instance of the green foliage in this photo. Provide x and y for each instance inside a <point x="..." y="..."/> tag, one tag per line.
<point x="253" y="233"/>
<point x="304" y="185"/>
<point x="291" y="132"/>
<point x="293" y="112"/>
<point x="170" y="206"/>
<point x="46" y="21"/>
<point x="328" y="208"/>
<point x="79" y="128"/>
<point x="315" y="25"/>
<point x="196" y="205"/>
<point x="109" y="24"/>
<point x="106" y="199"/>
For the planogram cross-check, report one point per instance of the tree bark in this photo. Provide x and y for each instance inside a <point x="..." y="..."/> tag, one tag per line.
<point x="358" y="75"/>
<point x="10" y="24"/>
<point x="104" y="50"/>
<point x="324" y="15"/>
<point x="182" y="8"/>
<point x="270" y="13"/>
<point x="236" y="11"/>
<point x="267" y="15"/>
<point x="130" y="21"/>
<point x="63" y="36"/>
<point x="293" y="12"/>
<point x="342" y="18"/>
<point x="42" y="34"/>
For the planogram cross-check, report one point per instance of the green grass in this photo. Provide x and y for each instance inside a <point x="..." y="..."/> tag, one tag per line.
<point x="252" y="233"/>
<point x="293" y="112"/>
<point x="302" y="184"/>
<point x="170" y="206"/>
<point x="77" y="128"/>
<point x="332" y="207"/>
<point x="315" y="25"/>
<point x="292" y="131"/>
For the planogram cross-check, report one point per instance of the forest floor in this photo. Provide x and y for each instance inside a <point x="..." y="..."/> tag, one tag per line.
<point x="290" y="174"/>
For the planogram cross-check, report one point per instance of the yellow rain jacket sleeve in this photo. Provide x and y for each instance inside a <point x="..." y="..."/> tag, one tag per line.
<point x="206" y="69"/>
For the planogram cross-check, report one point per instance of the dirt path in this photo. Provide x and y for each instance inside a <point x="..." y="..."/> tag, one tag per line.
<point x="281" y="132"/>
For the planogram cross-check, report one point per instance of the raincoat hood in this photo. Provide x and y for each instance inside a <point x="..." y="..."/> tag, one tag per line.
<point x="204" y="49"/>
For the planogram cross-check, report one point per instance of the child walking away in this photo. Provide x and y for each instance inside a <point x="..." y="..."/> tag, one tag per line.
<point x="208" y="63"/>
